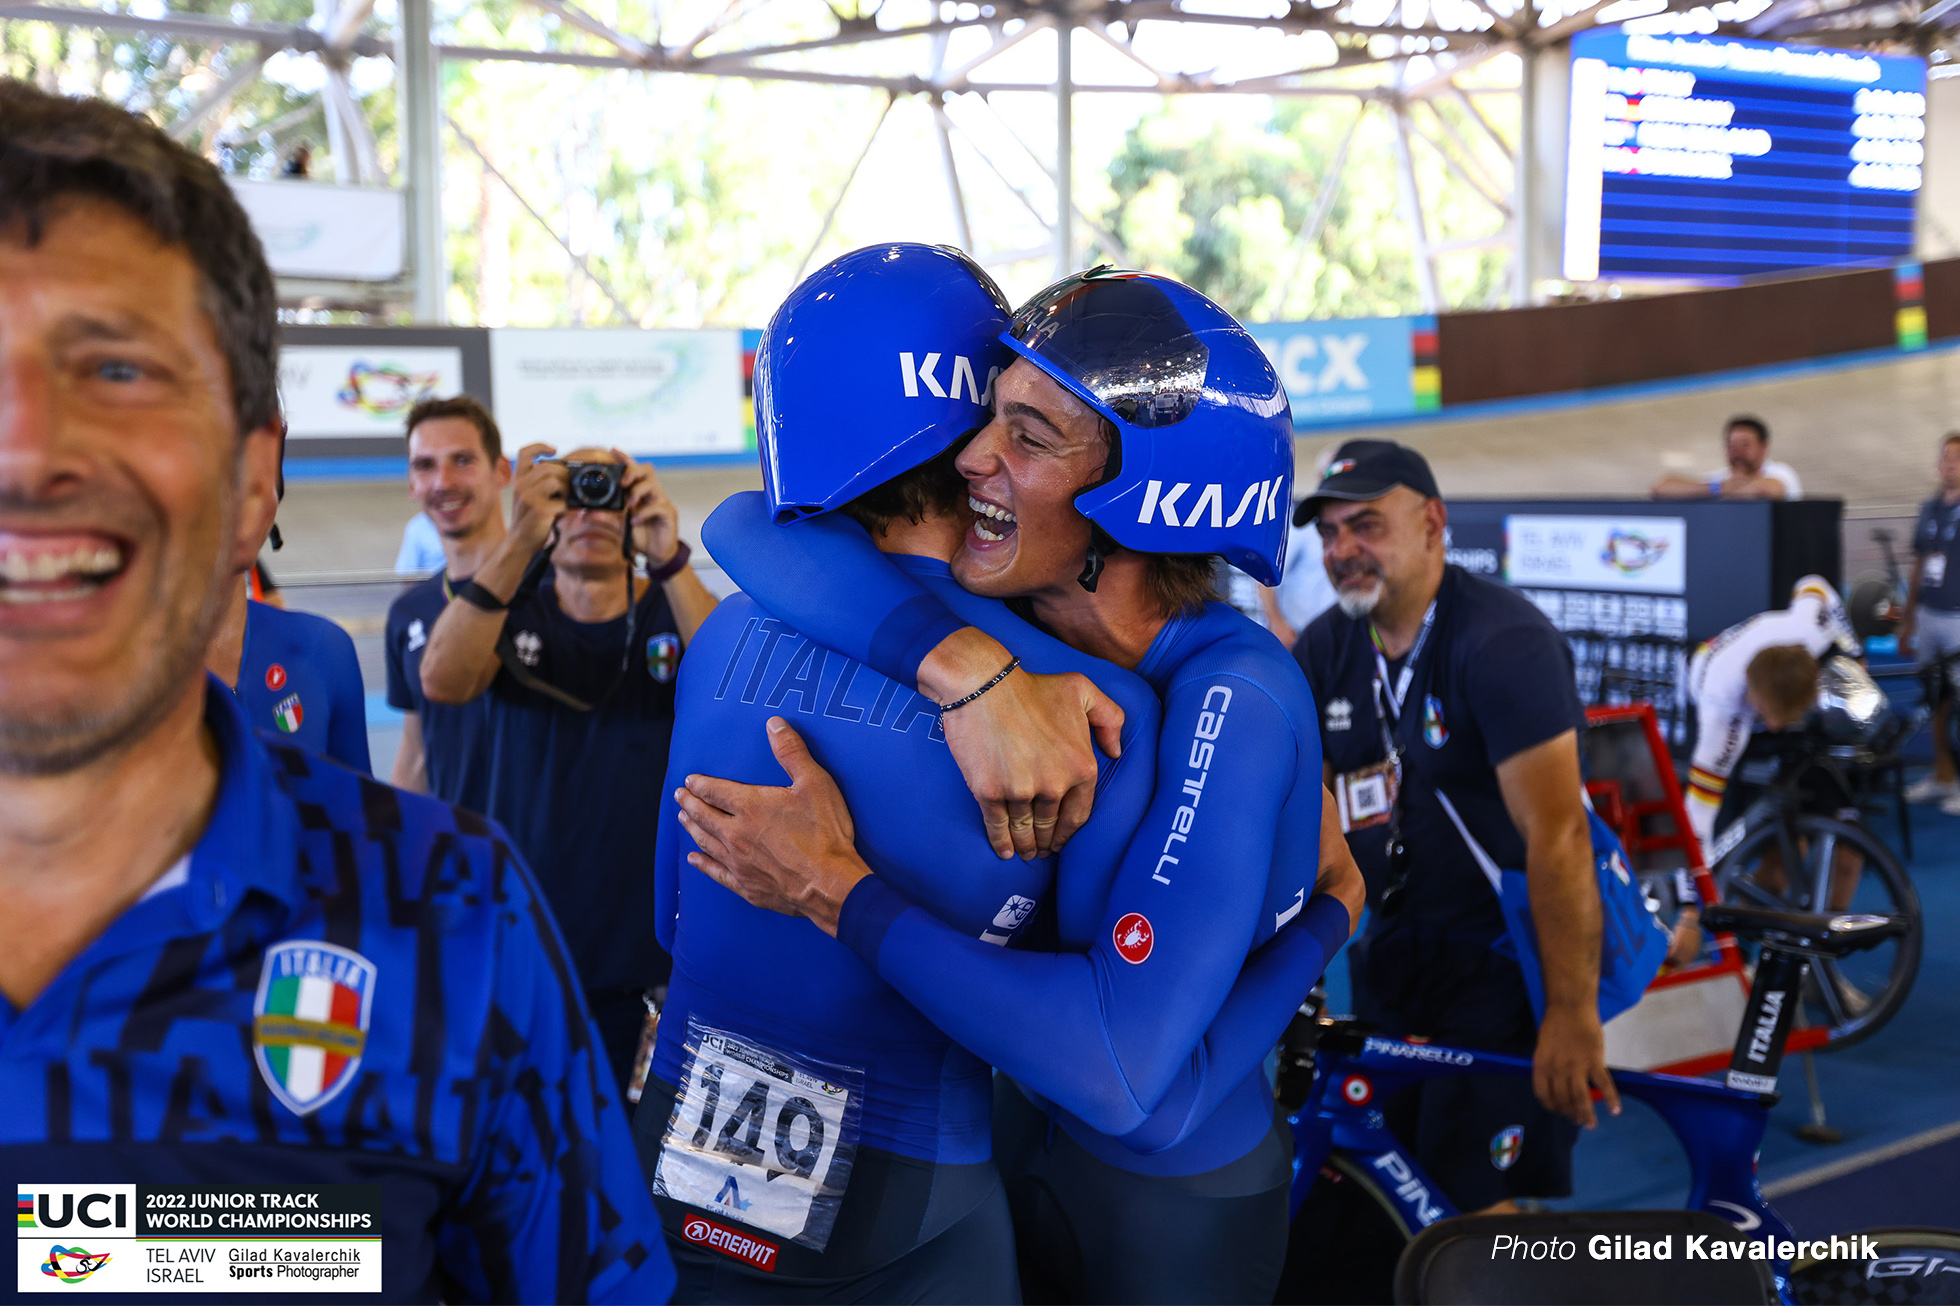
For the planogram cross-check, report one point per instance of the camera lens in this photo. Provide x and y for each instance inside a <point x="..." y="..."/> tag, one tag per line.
<point x="592" y="485"/>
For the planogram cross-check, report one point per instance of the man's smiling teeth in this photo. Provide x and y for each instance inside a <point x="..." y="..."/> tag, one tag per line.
<point x="33" y="575"/>
<point x="27" y="567"/>
<point x="985" y="511"/>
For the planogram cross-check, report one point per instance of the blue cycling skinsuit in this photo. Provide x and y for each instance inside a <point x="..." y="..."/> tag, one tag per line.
<point x="475" y="1093"/>
<point x="1150" y="955"/>
<point x="888" y="1186"/>
<point x="298" y="675"/>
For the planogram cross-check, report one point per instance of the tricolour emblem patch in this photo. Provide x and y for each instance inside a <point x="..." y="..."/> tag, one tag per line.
<point x="1435" y="732"/>
<point x="289" y="713"/>
<point x="1505" y="1146"/>
<point x="663" y="656"/>
<point x="310" y="1020"/>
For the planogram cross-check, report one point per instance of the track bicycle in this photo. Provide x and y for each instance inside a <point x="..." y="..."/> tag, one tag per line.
<point x="1358" y="1195"/>
<point x="1801" y="845"/>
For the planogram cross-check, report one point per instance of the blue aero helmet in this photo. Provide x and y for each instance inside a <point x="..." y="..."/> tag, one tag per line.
<point x="1204" y="436"/>
<point x="876" y="362"/>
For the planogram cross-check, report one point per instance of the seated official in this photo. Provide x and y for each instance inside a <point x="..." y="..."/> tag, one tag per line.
<point x="1749" y="474"/>
<point x="579" y="683"/>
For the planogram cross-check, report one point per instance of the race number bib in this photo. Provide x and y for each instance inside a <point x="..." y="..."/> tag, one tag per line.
<point x="1365" y="797"/>
<point x="760" y="1136"/>
<point x="1934" y="574"/>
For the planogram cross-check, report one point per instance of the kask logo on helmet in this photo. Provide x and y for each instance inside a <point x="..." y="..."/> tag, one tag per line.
<point x="1211" y="500"/>
<point x="924" y="373"/>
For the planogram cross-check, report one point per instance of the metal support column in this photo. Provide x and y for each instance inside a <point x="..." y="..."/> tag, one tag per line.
<point x="1526" y="183"/>
<point x="953" y="191"/>
<point x="419" y="102"/>
<point x="1424" y="257"/>
<point x="1064" y="147"/>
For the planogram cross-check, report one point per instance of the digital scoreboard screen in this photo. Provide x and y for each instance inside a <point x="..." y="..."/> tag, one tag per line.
<point x="1714" y="159"/>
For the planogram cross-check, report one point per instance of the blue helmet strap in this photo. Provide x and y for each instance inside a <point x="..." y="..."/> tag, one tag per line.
<point x="1100" y="547"/>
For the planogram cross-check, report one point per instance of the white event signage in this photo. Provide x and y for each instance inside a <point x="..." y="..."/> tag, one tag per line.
<point x="332" y="390"/>
<point x="332" y="233"/>
<point x="649" y="393"/>
<point x="1642" y="555"/>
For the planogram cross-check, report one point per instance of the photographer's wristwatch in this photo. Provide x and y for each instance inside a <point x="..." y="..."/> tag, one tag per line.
<point x="671" y="568"/>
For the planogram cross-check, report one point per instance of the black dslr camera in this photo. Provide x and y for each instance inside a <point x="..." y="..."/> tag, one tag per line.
<point x="596" y="486"/>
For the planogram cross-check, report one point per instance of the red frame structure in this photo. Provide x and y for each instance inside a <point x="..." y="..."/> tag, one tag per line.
<point x="1631" y="822"/>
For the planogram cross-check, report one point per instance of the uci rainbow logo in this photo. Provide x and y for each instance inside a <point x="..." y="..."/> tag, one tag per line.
<point x="72" y="1264"/>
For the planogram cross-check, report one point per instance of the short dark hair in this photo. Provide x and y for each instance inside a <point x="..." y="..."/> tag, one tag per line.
<point x="55" y="148"/>
<point x="1756" y="424"/>
<point x="1951" y="437"/>
<point x="934" y="486"/>
<point x="468" y="407"/>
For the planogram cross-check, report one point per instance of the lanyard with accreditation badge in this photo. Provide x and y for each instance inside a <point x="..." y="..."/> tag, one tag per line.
<point x="1370" y="796"/>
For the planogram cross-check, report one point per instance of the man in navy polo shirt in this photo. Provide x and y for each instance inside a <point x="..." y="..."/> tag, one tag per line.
<point x="456" y="473"/>
<point x="579" y="709"/>
<point x="1443" y="692"/>
<point x="1932" y="622"/>
<point x="221" y="963"/>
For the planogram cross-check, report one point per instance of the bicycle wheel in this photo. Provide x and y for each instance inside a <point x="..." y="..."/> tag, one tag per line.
<point x="1914" y="1267"/>
<point x="1810" y="863"/>
<point x="1342" y="1248"/>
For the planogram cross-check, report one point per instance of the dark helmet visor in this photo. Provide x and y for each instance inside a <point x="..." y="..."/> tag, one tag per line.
<point x="1118" y="336"/>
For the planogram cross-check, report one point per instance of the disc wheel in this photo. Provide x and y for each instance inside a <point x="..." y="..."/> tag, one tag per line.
<point x="1914" y="1267"/>
<point x="1811" y="863"/>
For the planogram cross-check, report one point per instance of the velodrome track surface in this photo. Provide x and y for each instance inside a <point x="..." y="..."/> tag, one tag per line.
<point x="1863" y="430"/>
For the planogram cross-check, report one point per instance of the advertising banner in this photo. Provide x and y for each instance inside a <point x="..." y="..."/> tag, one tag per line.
<point x="260" y="1240"/>
<point x="649" y="393"/>
<point x="335" y="233"/>
<point x="337" y="391"/>
<point x="1357" y="369"/>
<point x="1640" y="555"/>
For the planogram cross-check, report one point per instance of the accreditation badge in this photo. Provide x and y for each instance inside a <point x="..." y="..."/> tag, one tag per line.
<point x="1366" y="797"/>
<point x="761" y="1136"/>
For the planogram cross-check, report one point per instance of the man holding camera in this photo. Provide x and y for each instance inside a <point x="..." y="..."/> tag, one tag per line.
<point x="575" y="655"/>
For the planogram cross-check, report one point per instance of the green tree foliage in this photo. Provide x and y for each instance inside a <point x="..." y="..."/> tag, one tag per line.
<point x="1217" y="198"/>
<point x="164" y="77"/>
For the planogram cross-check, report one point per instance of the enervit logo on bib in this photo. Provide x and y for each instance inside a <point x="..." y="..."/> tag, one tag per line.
<point x="730" y="1242"/>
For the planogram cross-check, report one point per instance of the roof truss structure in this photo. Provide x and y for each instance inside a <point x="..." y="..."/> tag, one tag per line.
<point x="1394" y="57"/>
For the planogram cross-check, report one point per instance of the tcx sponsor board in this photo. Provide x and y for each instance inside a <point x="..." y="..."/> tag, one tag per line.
<point x="1353" y="369"/>
<point x="263" y="1239"/>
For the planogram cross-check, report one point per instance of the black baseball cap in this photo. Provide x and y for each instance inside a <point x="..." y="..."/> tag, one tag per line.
<point x="1367" y="469"/>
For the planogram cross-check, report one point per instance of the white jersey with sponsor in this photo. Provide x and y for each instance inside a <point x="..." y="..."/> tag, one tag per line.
<point x="1718" y="686"/>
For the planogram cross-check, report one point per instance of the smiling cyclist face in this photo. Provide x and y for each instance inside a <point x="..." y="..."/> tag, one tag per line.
<point x="1023" y="470"/>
